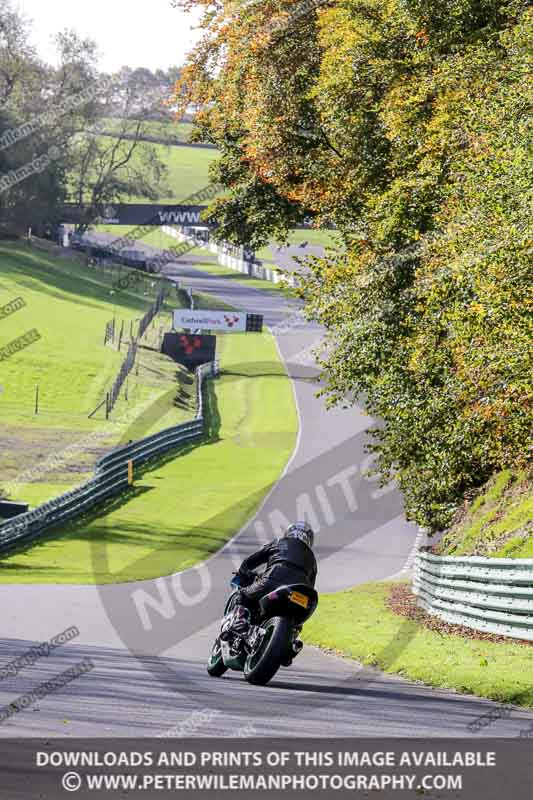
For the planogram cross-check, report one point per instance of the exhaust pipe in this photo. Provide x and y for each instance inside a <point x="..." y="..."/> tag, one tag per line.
<point x="297" y="646"/>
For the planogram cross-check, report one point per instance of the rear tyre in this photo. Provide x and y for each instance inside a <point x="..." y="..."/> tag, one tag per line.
<point x="215" y="666"/>
<point x="263" y="663"/>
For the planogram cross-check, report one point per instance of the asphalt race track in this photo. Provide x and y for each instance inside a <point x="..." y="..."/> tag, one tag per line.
<point x="149" y="642"/>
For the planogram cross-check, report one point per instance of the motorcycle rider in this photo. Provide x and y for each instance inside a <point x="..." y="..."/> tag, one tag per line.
<point x="289" y="559"/>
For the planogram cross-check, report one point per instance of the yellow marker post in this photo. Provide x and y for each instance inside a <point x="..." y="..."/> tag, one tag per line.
<point x="130" y="473"/>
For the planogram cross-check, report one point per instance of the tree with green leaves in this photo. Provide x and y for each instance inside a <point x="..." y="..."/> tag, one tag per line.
<point x="407" y="125"/>
<point x="50" y="120"/>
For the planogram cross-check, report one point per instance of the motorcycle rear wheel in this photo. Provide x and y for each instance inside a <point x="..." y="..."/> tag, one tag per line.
<point x="263" y="663"/>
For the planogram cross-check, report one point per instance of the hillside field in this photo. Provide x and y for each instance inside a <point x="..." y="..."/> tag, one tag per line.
<point x="69" y="306"/>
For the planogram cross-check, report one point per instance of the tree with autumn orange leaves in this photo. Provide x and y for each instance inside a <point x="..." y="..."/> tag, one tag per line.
<point x="406" y="125"/>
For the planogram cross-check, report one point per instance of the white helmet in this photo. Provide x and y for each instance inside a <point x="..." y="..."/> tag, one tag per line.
<point x="301" y="531"/>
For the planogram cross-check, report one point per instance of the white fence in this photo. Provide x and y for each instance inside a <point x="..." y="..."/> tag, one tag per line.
<point x="494" y="595"/>
<point x="233" y="257"/>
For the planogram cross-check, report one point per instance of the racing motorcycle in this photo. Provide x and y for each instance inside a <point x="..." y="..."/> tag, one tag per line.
<point x="272" y="639"/>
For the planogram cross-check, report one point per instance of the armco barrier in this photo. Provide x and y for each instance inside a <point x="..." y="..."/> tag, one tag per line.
<point x="494" y="595"/>
<point x="111" y="475"/>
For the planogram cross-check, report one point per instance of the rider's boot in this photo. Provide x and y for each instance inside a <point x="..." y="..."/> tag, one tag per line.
<point x="236" y="623"/>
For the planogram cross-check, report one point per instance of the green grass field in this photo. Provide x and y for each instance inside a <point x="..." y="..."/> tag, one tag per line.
<point x="187" y="171"/>
<point x="69" y="305"/>
<point x="322" y="238"/>
<point x="164" y="128"/>
<point x="185" y="507"/>
<point x="359" y="624"/>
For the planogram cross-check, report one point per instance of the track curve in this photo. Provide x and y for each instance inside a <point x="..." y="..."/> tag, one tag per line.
<point x="149" y="641"/>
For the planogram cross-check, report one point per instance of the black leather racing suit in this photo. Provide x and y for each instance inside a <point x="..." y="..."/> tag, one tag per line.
<point x="288" y="560"/>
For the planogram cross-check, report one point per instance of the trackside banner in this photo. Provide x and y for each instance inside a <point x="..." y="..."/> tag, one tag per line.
<point x="138" y="214"/>
<point x="231" y="321"/>
<point x="207" y="768"/>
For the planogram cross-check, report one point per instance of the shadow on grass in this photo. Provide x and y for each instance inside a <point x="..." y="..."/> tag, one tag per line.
<point x="310" y="378"/>
<point x="86" y="287"/>
<point x="202" y="540"/>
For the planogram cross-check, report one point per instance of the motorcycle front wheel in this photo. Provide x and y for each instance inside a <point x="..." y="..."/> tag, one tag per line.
<point x="263" y="663"/>
<point x="215" y="666"/>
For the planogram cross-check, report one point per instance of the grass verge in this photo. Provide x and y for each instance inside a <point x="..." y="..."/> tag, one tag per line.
<point x="497" y="523"/>
<point x="187" y="505"/>
<point x="360" y="624"/>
